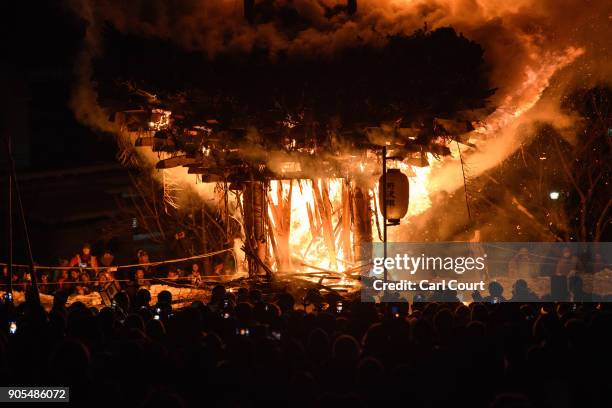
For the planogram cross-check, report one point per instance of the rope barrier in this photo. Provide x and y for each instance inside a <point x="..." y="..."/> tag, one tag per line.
<point x="165" y="281"/>
<point x="208" y="255"/>
<point x="78" y="283"/>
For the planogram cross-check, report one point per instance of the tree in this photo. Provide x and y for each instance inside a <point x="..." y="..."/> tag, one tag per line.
<point x="588" y="168"/>
<point x="560" y="188"/>
<point x="188" y="229"/>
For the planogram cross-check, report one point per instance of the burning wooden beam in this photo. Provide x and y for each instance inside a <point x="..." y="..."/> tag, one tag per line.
<point x="255" y="213"/>
<point x="281" y="215"/>
<point x="175" y="161"/>
<point x="323" y="204"/>
<point x="346" y="222"/>
<point x="362" y="225"/>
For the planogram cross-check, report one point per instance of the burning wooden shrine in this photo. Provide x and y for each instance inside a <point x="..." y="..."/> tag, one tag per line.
<point x="298" y="140"/>
<point x="307" y="198"/>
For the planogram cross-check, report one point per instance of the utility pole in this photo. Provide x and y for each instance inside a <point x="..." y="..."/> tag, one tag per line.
<point x="14" y="184"/>
<point x="9" y="238"/>
<point x="384" y="206"/>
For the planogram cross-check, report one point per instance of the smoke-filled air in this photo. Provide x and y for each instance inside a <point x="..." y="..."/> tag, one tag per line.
<point x="535" y="53"/>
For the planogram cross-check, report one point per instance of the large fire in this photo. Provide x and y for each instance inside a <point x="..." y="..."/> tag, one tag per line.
<point x="309" y="250"/>
<point x="315" y="241"/>
<point x="308" y="246"/>
<point x="308" y="216"/>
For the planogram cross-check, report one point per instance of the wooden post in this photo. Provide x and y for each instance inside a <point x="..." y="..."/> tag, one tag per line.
<point x="346" y="221"/>
<point x="362" y="224"/>
<point x="9" y="238"/>
<point x="324" y="206"/>
<point x="384" y="205"/>
<point x="255" y="224"/>
<point x="281" y="214"/>
<point x="207" y="267"/>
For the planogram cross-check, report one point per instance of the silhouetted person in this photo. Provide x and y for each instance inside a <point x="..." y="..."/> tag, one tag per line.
<point x="496" y="291"/>
<point x="163" y="307"/>
<point x="142" y="299"/>
<point x="576" y="288"/>
<point x="522" y="293"/>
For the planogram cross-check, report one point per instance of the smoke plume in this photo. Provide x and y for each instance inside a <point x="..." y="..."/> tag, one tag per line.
<point x="535" y="49"/>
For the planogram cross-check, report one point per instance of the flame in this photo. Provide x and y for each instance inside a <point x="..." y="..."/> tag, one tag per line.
<point x="525" y="97"/>
<point x="445" y="173"/>
<point x="495" y="137"/>
<point x="311" y="250"/>
<point x="307" y="244"/>
<point x="308" y="248"/>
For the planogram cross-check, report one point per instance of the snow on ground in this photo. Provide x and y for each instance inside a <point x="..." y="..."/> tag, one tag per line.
<point x="180" y="296"/>
<point x="599" y="283"/>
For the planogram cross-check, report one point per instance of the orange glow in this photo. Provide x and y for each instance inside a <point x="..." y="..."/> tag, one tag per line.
<point x="307" y="245"/>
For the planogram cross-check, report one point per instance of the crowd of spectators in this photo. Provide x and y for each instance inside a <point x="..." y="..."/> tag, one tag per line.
<point x="85" y="273"/>
<point x="247" y="349"/>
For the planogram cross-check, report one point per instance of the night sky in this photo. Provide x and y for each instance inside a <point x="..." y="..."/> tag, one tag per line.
<point x="38" y="75"/>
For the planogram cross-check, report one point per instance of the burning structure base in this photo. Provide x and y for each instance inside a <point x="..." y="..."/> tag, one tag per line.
<point x="305" y="201"/>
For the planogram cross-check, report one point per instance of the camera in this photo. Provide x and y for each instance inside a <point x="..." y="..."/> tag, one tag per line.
<point x="12" y="327"/>
<point x="339" y="307"/>
<point x="243" y="332"/>
<point x="8" y="297"/>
